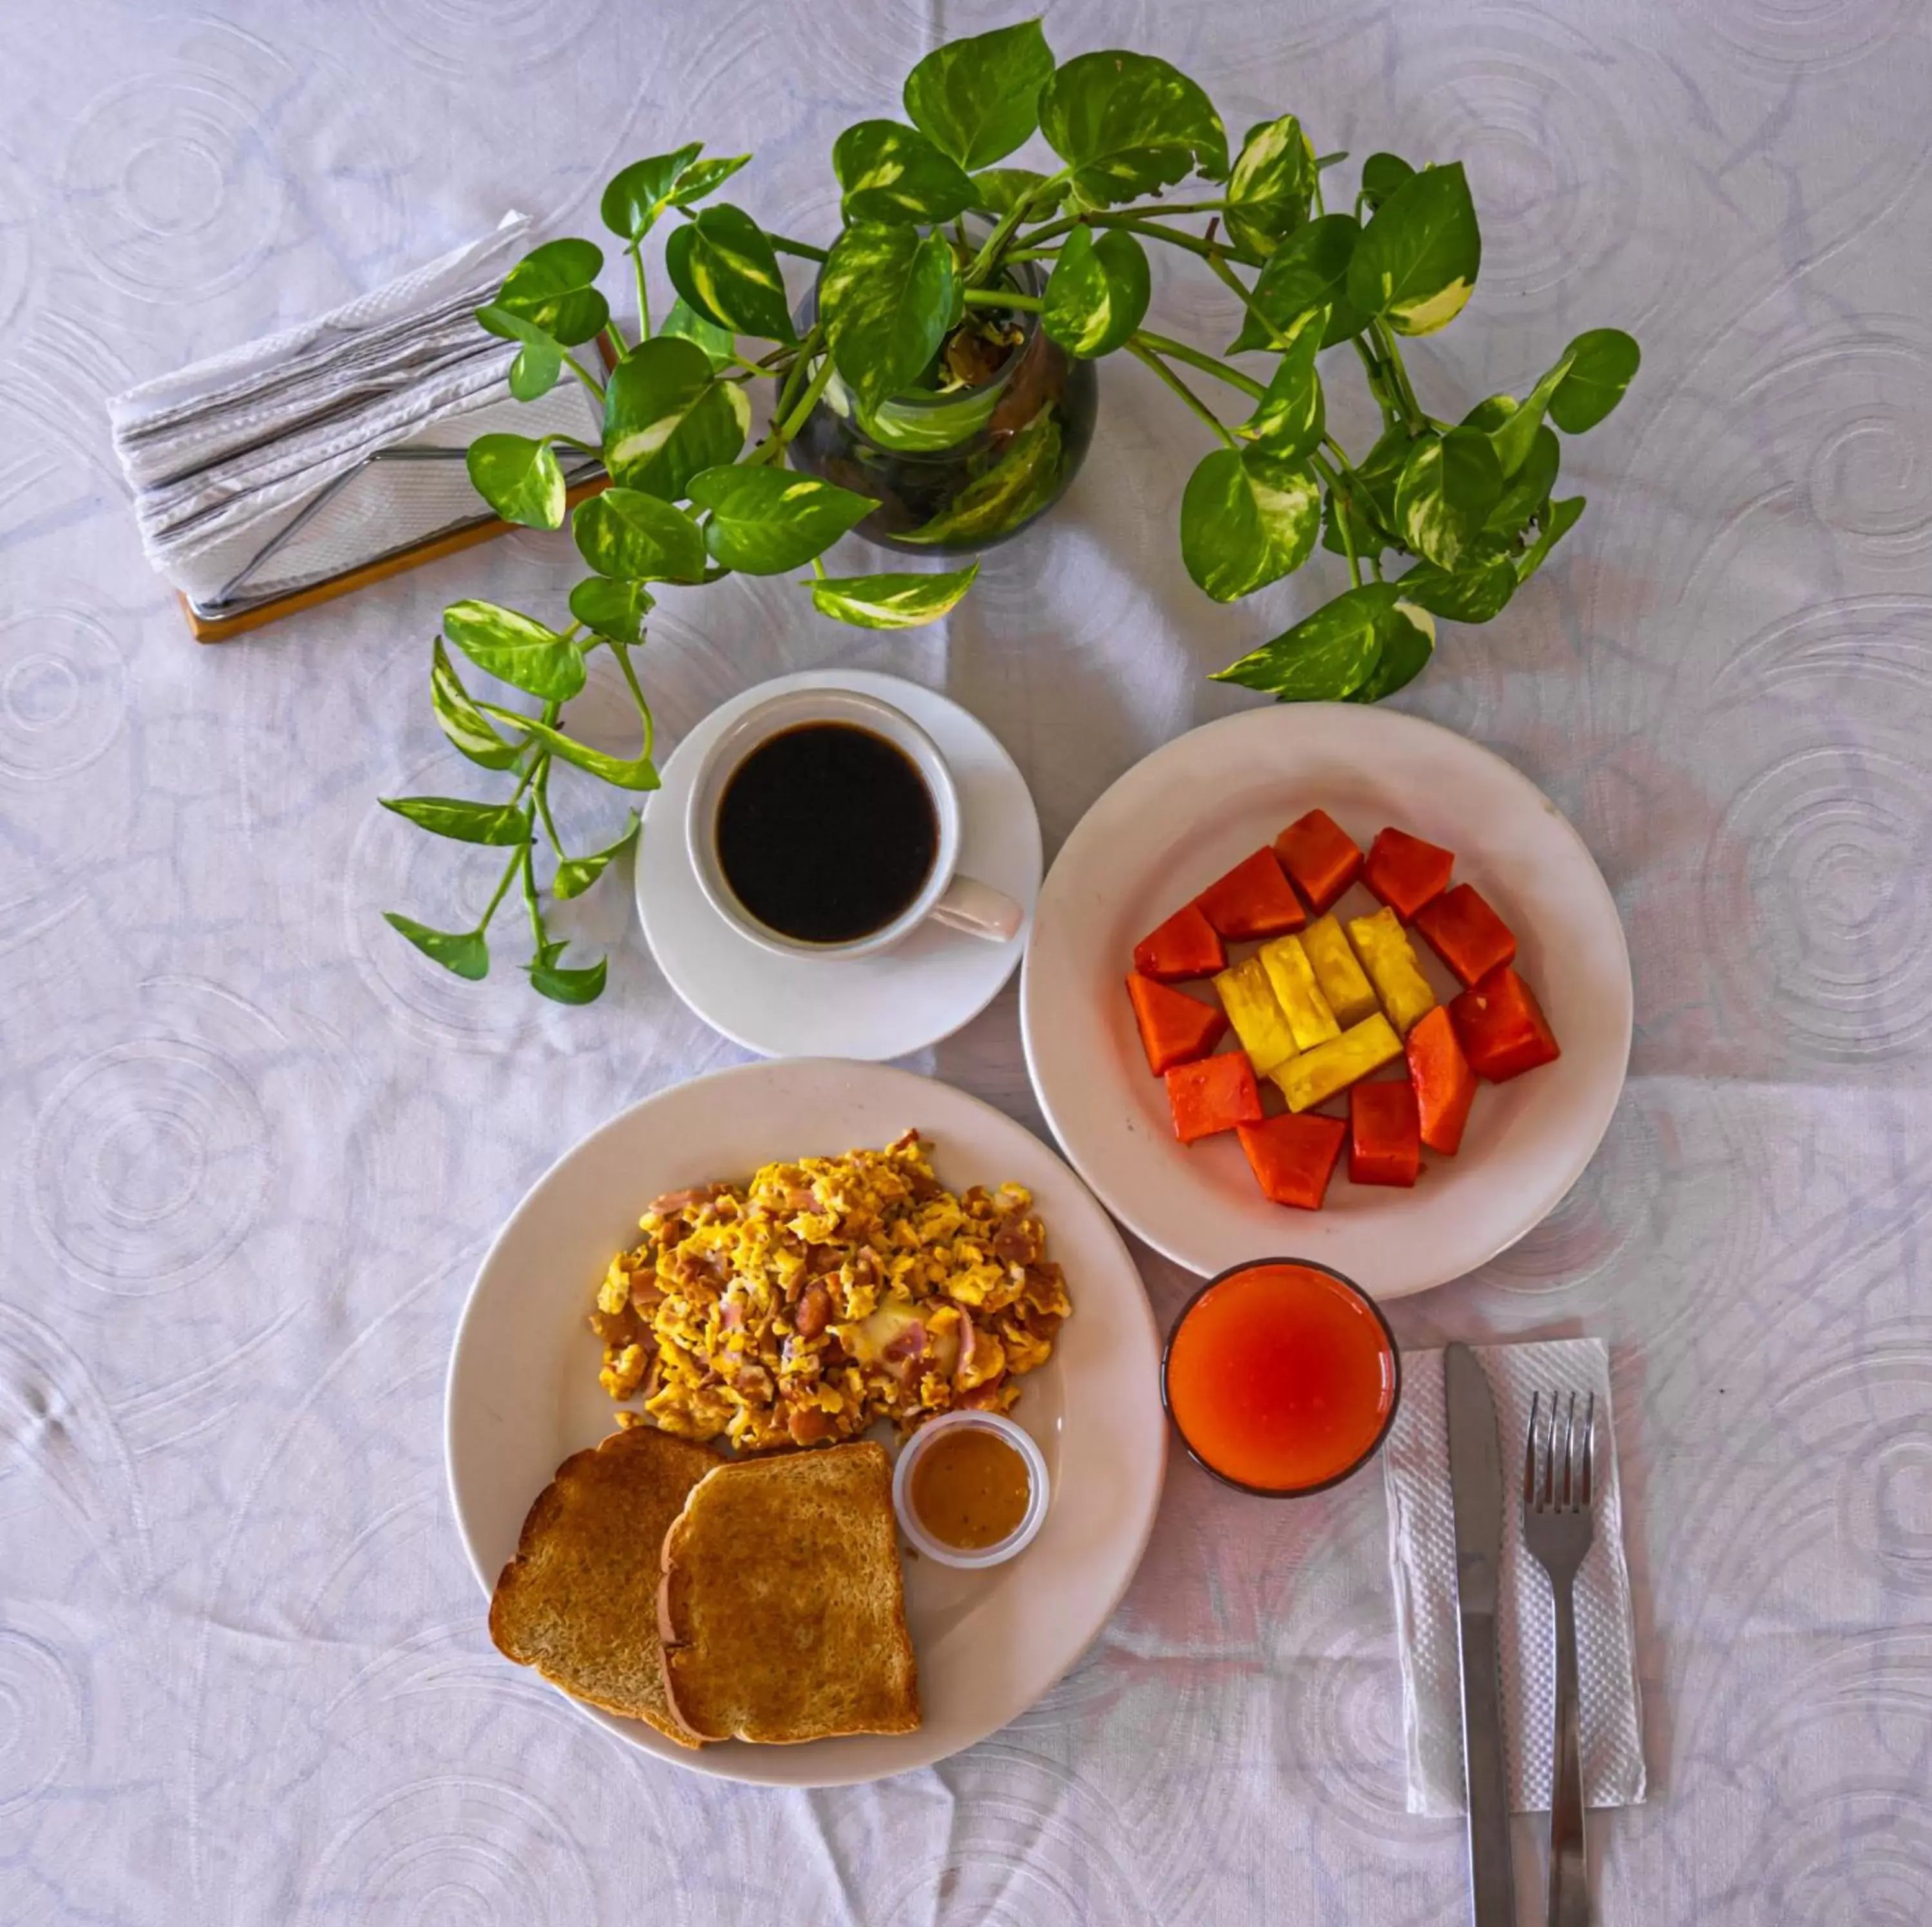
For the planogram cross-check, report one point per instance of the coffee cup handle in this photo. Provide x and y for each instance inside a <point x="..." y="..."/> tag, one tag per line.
<point x="979" y="910"/>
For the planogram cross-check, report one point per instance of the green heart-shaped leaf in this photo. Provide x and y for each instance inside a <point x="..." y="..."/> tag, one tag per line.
<point x="1602" y="363"/>
<point x="625" y="533"/>
<point x="885" y="296"/>
<point x="665" y="417"/>
<point x="520" y="479"/>
<point x="724" y="265"/>
<point x="1325" y="656"/>
<point x="463" y="722"/>
<point x="636" y="772"/>
<point x="1099" y="291"/>
<point x="500" y="823"/>
<point x="564" y="986"/>
<point x="575" y="874"/>
<point x="540" y="360"/>
<point x="1419" y="255"/>
<point x="1023" y="480"/>
<point x="1382" y="174"/>
<point x="978" y="98"/>
<point x="764" y="520"/>
<point x="1247" y="519"/>
<point x="1308" y="270"/>
<point x="553" y="286"/>
<point x="517" y="649"/>
<point x="1408" y="640"/>
<point x="1128" y="124"/>
<point x="1555" y="522"/>
<point x="464" y="951"/>
<point x="1289" y="419"/>
<point x="1476" y="592"/>
<point x="998" y="190"/>
<point x="1528" y="490"/>
<point x="1449" y="485"/>
<point x="890" y="601"/>
<point x="1269" y="189"/>
<point x="890" y="172"/>
<point x="636" y="197"/>
<point x="612" y="609"/>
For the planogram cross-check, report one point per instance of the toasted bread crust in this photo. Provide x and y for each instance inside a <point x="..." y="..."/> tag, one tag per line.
<point x="578" y="1601"/>
<point x="781" y="1611"/>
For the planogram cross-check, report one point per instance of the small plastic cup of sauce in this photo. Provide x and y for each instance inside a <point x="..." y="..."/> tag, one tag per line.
<point x="1282" y="1377"/>
<point x="970" y="1489"/>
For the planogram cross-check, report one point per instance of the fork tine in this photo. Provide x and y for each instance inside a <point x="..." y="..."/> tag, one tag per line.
<point x="1589" y="1491"/>
<point x="1529" y="1493"/>
<point x="1549" y="1498"/>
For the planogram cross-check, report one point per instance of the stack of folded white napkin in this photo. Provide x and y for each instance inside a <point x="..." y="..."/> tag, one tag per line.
<point x="268" y="447"/>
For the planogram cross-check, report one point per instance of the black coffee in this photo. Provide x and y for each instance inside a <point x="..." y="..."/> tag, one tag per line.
<point x="826" y="833"/>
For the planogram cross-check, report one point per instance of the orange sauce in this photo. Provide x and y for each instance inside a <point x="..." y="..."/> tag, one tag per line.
<point x="970" y="1488"/>
<point x="1280" y="1377"/>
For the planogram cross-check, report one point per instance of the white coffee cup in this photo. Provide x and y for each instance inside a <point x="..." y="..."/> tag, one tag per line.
<point x="962" y="902"/>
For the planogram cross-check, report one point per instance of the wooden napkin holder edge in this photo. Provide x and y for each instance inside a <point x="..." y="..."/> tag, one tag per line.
<point x="221" y="629"/>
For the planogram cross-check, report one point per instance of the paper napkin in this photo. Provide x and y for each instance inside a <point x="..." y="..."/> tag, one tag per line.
<point x="224" y="455"/>
<point x="1422" y="1564"/>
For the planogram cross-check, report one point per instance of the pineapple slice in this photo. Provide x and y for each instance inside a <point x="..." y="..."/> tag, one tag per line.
<point x="1333" y="1066"/>
<point x="1257" y="1018"/>
<point x="1350" y="995"/>
<point x="1390" y="962"/>
<point x="1302" y="1003"/>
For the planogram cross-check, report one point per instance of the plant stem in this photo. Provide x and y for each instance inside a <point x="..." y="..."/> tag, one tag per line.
<point x="643" y="294"/>
<point x="1391" y="359"/>
<point x="803" y="250"/>
<point x="1143" y="353"/>
<point x="1226" y="274"/>
<point x="1208" y="363"/>
<point x="795" y="420"/>
<point x="1378" y="386"/>
<point x="503" y="884"/>
<point x="1030" y="304"/>
<point x="576" y="368"/>
<point x="990" y="254"/>
<point x="571" y="441"/>
<point x="614" y="335"/>
<point x="1336" y="486"/>
<point x="1156" y="210"/>
<point x="542" y="793"/>
<point x="622" y="652"/>
<point x="529" y="870"/>
<point x="1152" y="229"/>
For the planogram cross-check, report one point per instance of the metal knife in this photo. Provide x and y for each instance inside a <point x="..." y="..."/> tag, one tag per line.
<point x="1476" y="1486"/>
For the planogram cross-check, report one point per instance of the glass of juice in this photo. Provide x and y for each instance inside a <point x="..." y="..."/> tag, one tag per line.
<point x="1281" y="1376"/>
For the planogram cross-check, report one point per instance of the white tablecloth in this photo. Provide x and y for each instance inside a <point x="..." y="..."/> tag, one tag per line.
<point x="256" y="1146"/>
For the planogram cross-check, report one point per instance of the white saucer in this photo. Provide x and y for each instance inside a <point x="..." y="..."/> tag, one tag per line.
<point x="871" y="1008"/>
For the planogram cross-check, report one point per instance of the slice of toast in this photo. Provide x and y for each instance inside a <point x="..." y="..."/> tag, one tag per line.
<point x="579" y="1601"/>
<point x="781" y="1612"/>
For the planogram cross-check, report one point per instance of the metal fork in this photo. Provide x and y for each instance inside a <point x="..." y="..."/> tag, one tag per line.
<point x="1558" y="1528"/>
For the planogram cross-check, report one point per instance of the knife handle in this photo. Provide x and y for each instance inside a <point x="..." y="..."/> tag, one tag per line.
<point x="1492" y="1882"/>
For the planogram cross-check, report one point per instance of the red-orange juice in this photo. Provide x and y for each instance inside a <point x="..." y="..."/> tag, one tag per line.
<point x="1282" y="1376"/>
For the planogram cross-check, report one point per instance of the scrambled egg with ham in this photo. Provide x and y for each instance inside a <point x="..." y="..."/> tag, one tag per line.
<point x="825" y="1295"/>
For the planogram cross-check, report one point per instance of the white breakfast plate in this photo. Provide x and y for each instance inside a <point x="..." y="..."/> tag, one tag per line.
<point x="1193" y="809"/>
<point x="886" y="1006"/>
<point x="522" y="1393"/>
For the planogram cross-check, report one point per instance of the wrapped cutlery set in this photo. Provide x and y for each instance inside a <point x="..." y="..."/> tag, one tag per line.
<point x="1506" y="1537"/>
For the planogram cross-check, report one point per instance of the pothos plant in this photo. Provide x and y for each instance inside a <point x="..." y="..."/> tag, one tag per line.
<point x="1438" y="517"/>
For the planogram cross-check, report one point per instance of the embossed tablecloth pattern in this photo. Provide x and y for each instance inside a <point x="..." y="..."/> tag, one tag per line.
<point x="255" y="1145"/>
